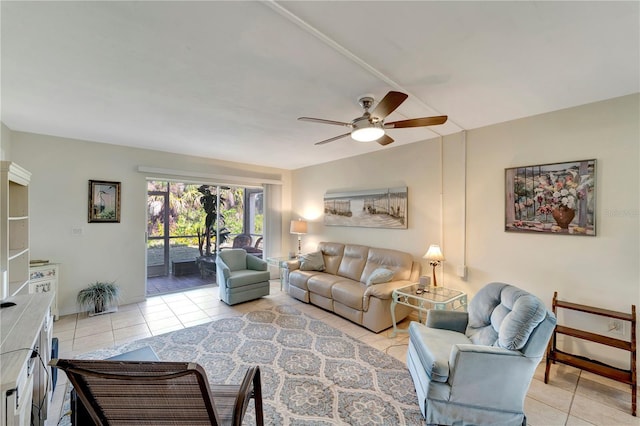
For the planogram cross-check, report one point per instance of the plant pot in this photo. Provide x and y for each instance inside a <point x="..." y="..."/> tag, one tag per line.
<point x="563" y="216"/>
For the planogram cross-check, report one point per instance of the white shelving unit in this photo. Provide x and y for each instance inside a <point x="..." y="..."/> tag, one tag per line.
<point x="14" y="227"/>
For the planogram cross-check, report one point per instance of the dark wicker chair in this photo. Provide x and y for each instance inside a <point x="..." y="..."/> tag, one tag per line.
<point x="159" y="393"/>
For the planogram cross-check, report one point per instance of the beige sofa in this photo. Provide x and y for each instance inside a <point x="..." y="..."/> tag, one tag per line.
<point x="341" y="288"/>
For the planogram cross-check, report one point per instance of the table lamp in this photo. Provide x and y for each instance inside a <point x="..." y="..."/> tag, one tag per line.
<point x="434" y="256"/>
<point x="299" y="227"/>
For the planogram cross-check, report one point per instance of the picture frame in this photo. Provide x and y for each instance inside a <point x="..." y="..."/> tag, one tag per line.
<point x="104" y="201"/>
<point x="553" y="198"/>
<point x="371" y="208"/>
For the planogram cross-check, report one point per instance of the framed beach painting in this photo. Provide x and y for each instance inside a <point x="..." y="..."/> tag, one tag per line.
<point x="104" y="201"/>
<point x="372" y="208"/>
<point x="556" y="198"/>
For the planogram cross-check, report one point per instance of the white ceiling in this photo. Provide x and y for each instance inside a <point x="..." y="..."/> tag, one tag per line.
<point x="227" y="80"/>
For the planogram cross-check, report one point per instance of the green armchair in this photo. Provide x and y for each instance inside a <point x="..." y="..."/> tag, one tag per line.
<point x="241" y="277"/>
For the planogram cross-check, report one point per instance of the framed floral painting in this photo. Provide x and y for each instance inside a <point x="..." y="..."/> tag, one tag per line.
<point x="556" y="198"/>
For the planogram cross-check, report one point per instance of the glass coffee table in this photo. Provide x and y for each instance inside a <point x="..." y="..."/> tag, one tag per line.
<point x="430" y="298"/>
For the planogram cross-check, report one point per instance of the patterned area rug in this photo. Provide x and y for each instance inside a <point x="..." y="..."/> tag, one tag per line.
<point x="312" y="374"/>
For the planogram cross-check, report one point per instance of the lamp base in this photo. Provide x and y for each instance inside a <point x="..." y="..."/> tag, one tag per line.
<point x="435" y="281"/>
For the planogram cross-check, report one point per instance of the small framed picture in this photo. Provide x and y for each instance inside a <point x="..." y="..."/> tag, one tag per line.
<point x="104" y="201"/>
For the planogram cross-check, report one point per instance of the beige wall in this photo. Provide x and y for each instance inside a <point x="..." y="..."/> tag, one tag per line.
<point x="5" y="143"/>
<point x="60" y="171"/>
<point x="601" y="271"/>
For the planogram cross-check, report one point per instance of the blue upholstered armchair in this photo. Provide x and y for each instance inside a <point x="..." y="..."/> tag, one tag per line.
<point x="476" y="367"/>
<point x="241" y="277"/>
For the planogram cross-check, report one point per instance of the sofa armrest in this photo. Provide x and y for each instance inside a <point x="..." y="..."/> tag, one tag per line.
<point x="255" y="263"/>
<point x="221" y="267"/>
<point x="447" y="320"/>
<point x="384" y="290"/>
<point x="293" y="264"/>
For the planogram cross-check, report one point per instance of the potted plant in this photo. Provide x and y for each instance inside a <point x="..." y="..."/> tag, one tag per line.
<point x="100" y="297"/>
<point x="214" y="232"/>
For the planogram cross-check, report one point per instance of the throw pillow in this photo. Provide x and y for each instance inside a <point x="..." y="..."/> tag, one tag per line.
<point x="312" y="261"/>
<point x="379" y="276"/>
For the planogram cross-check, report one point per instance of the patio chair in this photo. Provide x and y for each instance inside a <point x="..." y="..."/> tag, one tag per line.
<point x="159" y="393"/>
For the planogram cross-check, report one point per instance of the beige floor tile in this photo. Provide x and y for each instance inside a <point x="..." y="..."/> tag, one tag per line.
<point x="95" y="321"/>
<point x="155" y="300"/>
<point x="184" y="308"/>
<point x="166" y="329"/>
<point x="221" y="310"/>
<point x="84" y="330"/>
<point x="67" y="322"/>
<point x="208" y="304"/>
<point x="398" y="351"/>
<point x="196" y="322"/>
<point x="540" y="414"/>
<point x="126" y="313"/>
<point x="174" y="297"/>
<point x="605" y="381"/>
<point x="64" y="335"/>
<point x="127" y="308"/>
<point x="600" y="414"/>
<point x="128" y="321"/>
<point x="555" y="397"/>
<point x="93" y="342"/>
<point x="561" y="376"/>
<point x="200" y="297"/>
<point x="575" y="421"/>
<point x="159" y="307"/>
<point x="605" y="393"/>
<point x="159" y="316"/>
<point x="164" y="323"/>
<point x="199" y="315"/>
<point x="135" y="330"/>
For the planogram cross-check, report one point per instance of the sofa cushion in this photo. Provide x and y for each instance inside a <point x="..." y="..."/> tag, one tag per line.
<point x="350" y="293"/>
<point x="321" y="283"/>
<point x="353" y="261"/>
<point x="332" y="253"/>
<point x="434" y="346"/>
<point x="246" y="277"/>
<point x="300" y="278"/>
<point x="379" y="276"/>
<point x="312" y="261"/>
<point x="399" y="262"/>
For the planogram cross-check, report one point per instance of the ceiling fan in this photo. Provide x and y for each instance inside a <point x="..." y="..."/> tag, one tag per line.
<point x="371" y="126"/>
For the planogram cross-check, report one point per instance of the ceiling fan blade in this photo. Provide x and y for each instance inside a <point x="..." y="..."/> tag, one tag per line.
<point x="417" y="122"/>
<point x="335" y="138"/>
<point x="323" y="121"/>
<point x="388" y="104"/>
<point x="384" y="140"/>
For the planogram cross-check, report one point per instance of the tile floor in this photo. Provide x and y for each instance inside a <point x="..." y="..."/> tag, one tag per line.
<point x="572" y="397"/>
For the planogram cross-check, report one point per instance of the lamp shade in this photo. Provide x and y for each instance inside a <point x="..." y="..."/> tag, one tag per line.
<point x="298" y="227"/>
<point x="434" y="253"/>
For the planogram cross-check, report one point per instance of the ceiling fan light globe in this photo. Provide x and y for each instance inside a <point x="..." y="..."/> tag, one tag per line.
<point x="367" y="134"/>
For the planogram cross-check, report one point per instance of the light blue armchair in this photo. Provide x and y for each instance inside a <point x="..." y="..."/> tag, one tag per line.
<point x="476" y="367"/>
<point x="241" y="277"/>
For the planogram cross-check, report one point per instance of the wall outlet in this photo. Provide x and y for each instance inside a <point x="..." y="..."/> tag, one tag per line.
<point x="461" y="271"/>
<point x="77" y="231"/>
<point x="616" y="327"/>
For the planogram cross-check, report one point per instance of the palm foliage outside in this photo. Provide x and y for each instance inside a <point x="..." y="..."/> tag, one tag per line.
<point x="188" y="216"/>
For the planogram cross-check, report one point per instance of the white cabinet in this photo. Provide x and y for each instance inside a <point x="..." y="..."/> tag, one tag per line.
<point x="43" y="279"/>
<point x="25" y="352"/>
<point x="14" y="229"/>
